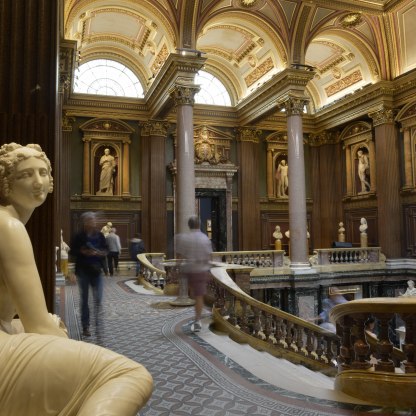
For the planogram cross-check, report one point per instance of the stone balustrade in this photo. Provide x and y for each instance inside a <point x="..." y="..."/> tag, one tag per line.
<point x="152" y="269"/>
<point x="267" y="328"/>
<point x="258" y="259"/>
<point x="359" y="255"/>
<point x="368" y="360"/>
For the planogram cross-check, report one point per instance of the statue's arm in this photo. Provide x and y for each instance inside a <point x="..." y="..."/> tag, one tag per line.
<point x="22" y="279"/>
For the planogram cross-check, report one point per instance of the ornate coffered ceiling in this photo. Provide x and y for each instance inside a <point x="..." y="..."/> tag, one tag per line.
<point x="350" y="44"/>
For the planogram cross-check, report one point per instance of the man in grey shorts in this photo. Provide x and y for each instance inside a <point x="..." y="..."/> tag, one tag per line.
<point x="195" y="249"/>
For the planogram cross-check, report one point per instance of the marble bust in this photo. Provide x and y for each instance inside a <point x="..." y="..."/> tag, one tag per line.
<point x="411" y="290"/>
<point x="44" y="372"/>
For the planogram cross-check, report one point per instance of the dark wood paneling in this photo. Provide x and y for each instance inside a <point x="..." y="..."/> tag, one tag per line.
<point x="409" y="243"/>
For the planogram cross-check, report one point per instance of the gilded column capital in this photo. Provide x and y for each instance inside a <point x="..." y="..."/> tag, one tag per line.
<point x="294" y="106"/>
<point x="381" y="116"/>
<point x="184" y="94"/>
<point x="155" y="128"/>
<point x="248" y="134"/>
<point x="67" y="122"/>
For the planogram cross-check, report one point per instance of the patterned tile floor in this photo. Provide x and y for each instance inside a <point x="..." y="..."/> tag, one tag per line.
<point x="190" y="376"/>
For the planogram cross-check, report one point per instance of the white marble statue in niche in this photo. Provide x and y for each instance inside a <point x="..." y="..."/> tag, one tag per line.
<point x="108" y="171"/>
<point x="363" y="170"/>
<point x="282" y="179"/>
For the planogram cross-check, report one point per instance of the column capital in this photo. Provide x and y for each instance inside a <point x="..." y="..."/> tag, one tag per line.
<point x="294" y="105"/>
<point x="154" y="128"/>
<point x="184" y="94"/>
<point x="67" y="122"/>
<point x="248" y="134"/>
<point x="383" y="115"/>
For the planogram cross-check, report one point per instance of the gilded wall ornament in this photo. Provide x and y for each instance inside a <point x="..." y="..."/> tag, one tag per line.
<point x="248" y="3"/>
<point x="351" y="20"/>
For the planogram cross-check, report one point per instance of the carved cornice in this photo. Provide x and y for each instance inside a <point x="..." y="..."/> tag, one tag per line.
<point x="178" y="69"/>
<point x="184" y="94"/>
<point x="154" y="128"/>
<point x="248" y="134"/>
<point x="271" y="95"/>
<point x="382" y="116"/>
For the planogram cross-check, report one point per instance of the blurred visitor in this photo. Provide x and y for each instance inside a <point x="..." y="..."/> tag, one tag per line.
<point x="195" y="248"/>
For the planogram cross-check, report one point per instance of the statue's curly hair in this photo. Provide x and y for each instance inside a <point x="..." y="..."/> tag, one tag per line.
<point x="9" y="158"/>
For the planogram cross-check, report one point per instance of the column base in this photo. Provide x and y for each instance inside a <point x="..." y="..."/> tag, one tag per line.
<point x="182" y="301"/>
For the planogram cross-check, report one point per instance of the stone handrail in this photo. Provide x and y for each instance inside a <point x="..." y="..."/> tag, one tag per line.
<point x="151" y="269"/>
<point x="393" y="384"/>
<point x="358" y="255"/>
<point x="266" y="328"/>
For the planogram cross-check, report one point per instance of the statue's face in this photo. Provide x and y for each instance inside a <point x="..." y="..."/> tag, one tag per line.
<point x="30" y="184"/>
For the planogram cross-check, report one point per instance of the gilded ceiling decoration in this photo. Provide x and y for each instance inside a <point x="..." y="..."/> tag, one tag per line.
<point x="246" y="42"/>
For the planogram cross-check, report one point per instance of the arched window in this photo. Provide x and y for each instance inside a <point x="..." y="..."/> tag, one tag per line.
<point x="105" y="77"/>
<point x="212" y="90"/>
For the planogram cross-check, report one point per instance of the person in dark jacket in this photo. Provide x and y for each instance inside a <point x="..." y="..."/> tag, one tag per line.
<point x="136" y="247"/>
<point x="89" y="249"/>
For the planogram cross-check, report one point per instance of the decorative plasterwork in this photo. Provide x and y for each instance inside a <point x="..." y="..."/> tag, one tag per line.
<point x="184" y="95"/>
<point x="211" y="146"/>
<point x="160" y="59"/>
<point x="106" y="127"/>
<point x="343" y="83"/>
<point x="259" y="72"/>
<point x="351" y="20"/>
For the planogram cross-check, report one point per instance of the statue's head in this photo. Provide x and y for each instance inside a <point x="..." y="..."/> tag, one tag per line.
<point x="11" y="155"/>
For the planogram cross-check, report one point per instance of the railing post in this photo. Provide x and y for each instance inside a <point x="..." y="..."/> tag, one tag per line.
<point x="361" y="347"/>
<point x="384" y="346"/>
<point x="409" y="365"/>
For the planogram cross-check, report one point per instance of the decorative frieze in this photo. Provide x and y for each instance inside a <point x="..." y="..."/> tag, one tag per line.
<point x="343" y="83"/>
<point x="260" y="71"/>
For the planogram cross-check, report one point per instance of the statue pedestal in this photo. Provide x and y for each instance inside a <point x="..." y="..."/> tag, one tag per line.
<point x="278" y="245"/>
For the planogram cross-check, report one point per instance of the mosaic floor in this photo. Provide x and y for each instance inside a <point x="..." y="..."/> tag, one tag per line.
<point x="190" y="376"/>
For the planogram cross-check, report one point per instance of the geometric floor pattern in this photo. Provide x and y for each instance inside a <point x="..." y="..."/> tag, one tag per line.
<point x="190" y="377"/>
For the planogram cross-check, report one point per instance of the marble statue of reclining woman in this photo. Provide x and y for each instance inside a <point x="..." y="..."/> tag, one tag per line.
<point x="43" y="373"/>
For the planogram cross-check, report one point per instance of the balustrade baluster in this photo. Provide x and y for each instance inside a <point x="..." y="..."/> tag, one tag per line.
<point x="384" y="346"/>
<point x="289" y="334"/>
<point x="232" y="316"/>
<point x="361" y="346"/>
<point x="268" y="327"/>
<point x="319" y="350"/>
<point x="257" y="323"/>
<point x="299" y="337"/>
<point x="309" y="342"/>
<point x="409" y="365"/>
<point x="345" y="351"/>
<point x="244" y="326"/>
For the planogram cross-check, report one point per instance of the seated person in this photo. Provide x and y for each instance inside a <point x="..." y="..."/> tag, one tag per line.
<point x="44" y="372"/>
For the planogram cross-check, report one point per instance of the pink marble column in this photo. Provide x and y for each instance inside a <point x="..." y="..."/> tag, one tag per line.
<point x="86" y="180"/>
<point x="388" y="176"/>
<point x="183" y="96"/>
<point x="185" y="177"/>
<point x="297" y="192"/>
